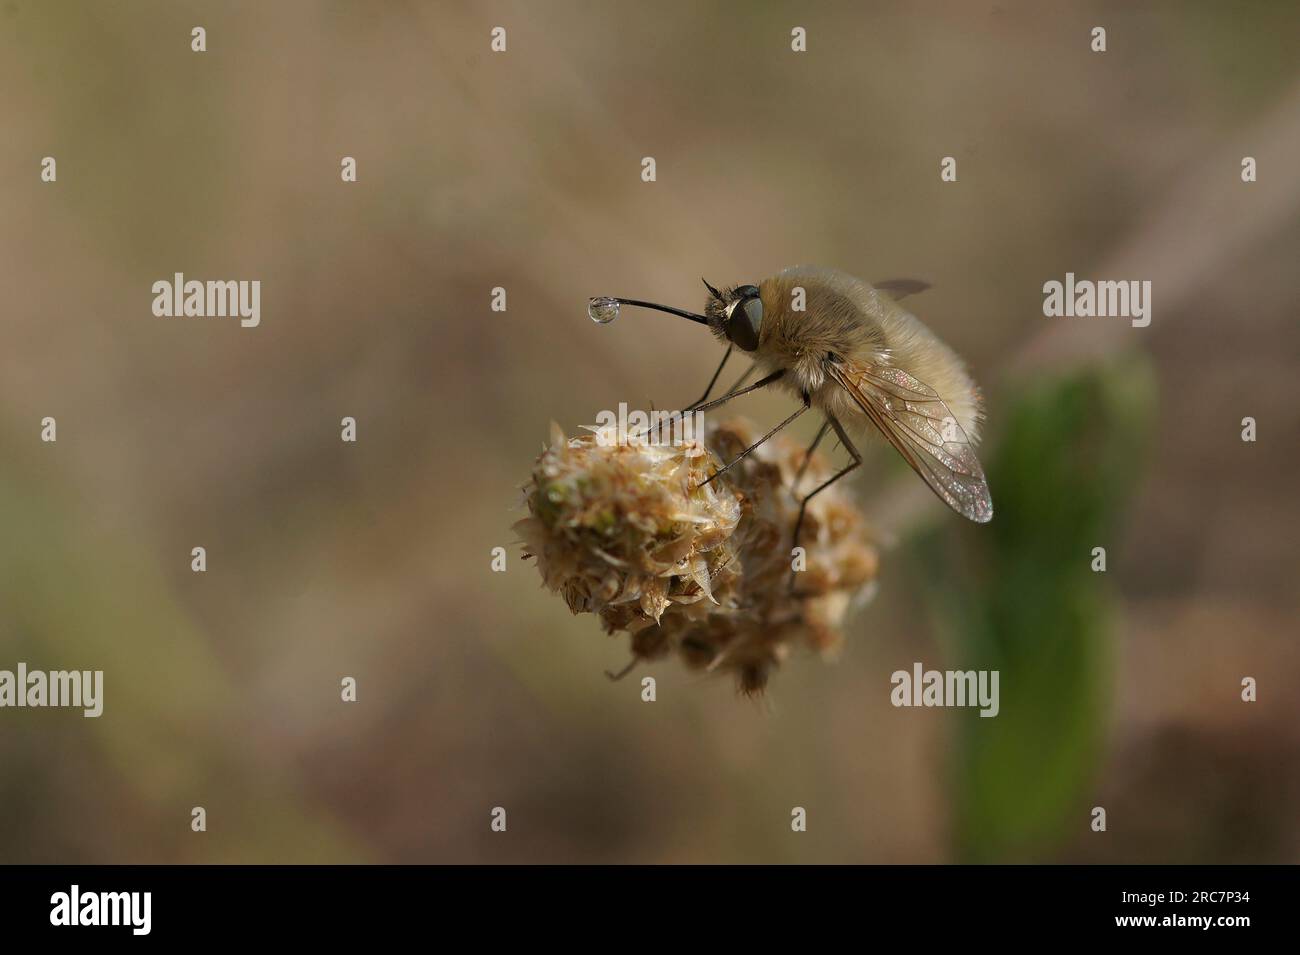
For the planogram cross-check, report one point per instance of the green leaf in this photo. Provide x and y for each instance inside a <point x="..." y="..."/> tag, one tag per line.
<point x="1030" y="606"/>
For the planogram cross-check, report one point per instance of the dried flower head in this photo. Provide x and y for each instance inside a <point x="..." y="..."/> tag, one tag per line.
<point x="626" y="531"/>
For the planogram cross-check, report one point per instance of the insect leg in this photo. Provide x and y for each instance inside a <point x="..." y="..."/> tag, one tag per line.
<point x="761" y="383"/>
<point x="712" y="381"/>
<point x="732" y="390"/>
<point x="821" y="433"/>
<point x="733" y="393"/>
<point x="743" y="378"/>
<point x="623" y="672"/>
<point x="800" y="410"/>
<point x="803" y="505"/>
<point x="729" y="392"/>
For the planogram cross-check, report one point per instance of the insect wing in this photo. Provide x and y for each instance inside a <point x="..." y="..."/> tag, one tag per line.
<point x="902" y="288"/>
<point x="917" y="422"/>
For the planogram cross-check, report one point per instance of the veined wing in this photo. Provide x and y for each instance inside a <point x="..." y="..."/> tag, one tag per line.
<point x="917" y="422"/>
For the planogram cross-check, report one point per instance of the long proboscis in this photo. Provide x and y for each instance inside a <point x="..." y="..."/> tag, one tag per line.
<point x="660" y="308"/>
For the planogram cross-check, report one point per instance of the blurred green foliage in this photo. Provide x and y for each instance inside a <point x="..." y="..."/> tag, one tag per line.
<point x="1030" y="606"/>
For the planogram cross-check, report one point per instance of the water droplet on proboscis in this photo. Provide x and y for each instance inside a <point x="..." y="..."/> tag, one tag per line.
<point x="603" y="310"/>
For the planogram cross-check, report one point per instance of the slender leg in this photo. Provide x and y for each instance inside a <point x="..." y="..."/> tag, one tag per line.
<point x="804" y="407"/>
<point x="743" y="378"/>
<point x="712" y="381"/>
<point x="803" y="505"/>
<point x="623" y="672"/>
<point x="730" y="392"/>
<point x="761" y="383"/>
<point x="808" y="455"/>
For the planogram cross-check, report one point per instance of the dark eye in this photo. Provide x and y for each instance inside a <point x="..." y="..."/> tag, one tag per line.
<point x="746" y="320"/>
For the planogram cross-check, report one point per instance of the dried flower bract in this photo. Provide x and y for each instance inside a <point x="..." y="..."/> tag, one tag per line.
<point x="627" y="532"/>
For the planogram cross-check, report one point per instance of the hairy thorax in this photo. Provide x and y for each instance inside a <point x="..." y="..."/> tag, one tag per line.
<point x="801" y="340"/>
<point x="847" y="319"/>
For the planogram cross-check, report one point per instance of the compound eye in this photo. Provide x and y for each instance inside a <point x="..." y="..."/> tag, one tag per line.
<point x="746" y="321"/>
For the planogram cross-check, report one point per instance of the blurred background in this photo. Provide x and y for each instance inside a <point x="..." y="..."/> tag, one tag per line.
<point x="523" y="170"/>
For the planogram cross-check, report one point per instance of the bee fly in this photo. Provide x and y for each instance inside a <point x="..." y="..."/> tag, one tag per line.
<point x="859" y="358"/>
